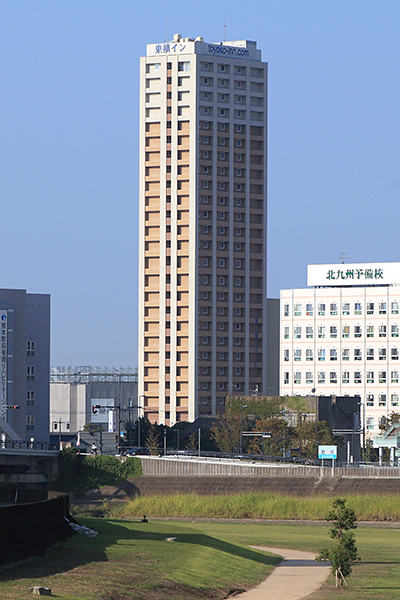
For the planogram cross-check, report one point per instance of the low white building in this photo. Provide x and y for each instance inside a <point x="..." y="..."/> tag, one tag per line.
<point x="340" y="336"/>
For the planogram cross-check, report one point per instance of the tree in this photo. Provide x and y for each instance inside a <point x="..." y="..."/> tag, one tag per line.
<point x="386" y="422"/>
<point x="275" y="445"/>
<point x="226" y="431"/>
<point x="344" y="553"/>
<point x="152" y="439"/>
<point x="314" y="434"/>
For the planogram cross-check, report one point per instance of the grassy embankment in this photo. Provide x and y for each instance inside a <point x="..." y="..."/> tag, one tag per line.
<point x="256" y="506"/>
<point x="79" y="473"/>
<point x="131" y="561"/>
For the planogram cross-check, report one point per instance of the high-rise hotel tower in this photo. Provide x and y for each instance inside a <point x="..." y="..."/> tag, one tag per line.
<point x="203" y="222"/>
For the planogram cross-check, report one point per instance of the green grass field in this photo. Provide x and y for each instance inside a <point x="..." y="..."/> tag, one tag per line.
<point x="130" y="560"/>
<point x="256" y="506"/>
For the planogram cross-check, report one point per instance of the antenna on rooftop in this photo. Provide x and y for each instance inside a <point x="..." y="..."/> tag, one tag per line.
<point x="344" y="256"/>
<point x="224" y="29"/>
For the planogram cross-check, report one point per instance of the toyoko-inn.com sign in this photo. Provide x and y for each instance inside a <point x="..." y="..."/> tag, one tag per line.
<point x="353" y="274"/>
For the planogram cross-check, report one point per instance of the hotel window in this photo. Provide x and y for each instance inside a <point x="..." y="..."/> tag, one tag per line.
<point x="357" y="354"/>
<point x="238" y="326"/>
<point x="286" y="310"/>
<point x="309" y="310"/>
<point x="370" y="422"/>
<point x="222" y="262"/>
<point x="30" y="397"/>
<point x="333" y="354"/>
<point x="321" y="376"/>
<point x="286" y="333"/>
<point x="309" y="332"/>
<point x="357" y="331"/>
<point x="222" y="296"/>
<point x="394" y="377"/>
<point x="309" y="377"/>
<point x="333" y="377"/>
<point x="238" y="312"/>
<point x="370" y="308"/>
<point x="346" y="308"/>
<point x="286" y="355"/>
<point x="382" y="376"/>
<point x="309" y="354"/>
<point x="345" y="377"/>
<point x="394" y="354"/>
<point x="297" y="377"/>
<point x="321" y="331"/>
<point x="205" y="262"/>
<point x="395" y="331"/>
<point x="297" y="332"/>
<point x="238" y="281"/>
<point x="382" y="353"/>
<point x="334" y="308"/>
<point x="297" y="355"/>
<point x="370" y="399"/>
<point x="370" y="354"/>
<point x="205" y="280"/>
<point x="357" y="308"/>
<point x="346" y="331"/>
<point x="297" y="310"/>
<point x="205" y="355"/>
<point x="394" y="400"/>
<point x="395" y="308"/>
<point x="222" y="281"/>
<point x="238" y="264"/>
<point x="222" y="245"/>
<point x="30" y="373"/>
<point x="205" y="310"/>
<point x="333" y="331"/>
<point x="286" y="377"/>
<point x="382" y="399"/>
<point x="205" y="370"/>
<point x="222" y="230"/>
<point x="382" y="331"/>
<point x="321" y="309"/>
<point x="370" y="377"/>
<point x="382" y="308"/>
<point x="370" y="331"/>
<point x="221" y="312"/>
<point x="345" y="354"/>
<point x="357" y="376"/>
<point x="321" y="354"/>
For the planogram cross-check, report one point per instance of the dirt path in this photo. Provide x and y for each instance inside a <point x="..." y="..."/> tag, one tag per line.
<point x="297" y="576"/>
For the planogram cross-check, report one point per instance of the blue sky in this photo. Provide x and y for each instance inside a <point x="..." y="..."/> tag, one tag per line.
<point x="69" y="153"/>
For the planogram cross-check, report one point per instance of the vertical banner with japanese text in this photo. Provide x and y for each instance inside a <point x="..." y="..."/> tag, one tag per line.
<point x="3" y="363"/>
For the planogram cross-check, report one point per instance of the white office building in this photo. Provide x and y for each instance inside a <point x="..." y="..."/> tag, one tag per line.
<point x="340" y="336"/>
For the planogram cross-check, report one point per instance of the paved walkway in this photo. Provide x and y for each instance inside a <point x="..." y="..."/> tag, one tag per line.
<point x="297" y="576"/>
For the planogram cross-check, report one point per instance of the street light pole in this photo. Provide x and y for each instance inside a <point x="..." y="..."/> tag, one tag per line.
<point x="139" y="407"/>
<point x="241" y="427"/>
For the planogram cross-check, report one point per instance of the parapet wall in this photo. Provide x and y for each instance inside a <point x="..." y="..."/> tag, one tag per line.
<point x="183" y="467"/>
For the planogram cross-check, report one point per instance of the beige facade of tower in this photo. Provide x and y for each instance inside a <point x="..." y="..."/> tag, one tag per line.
<point x="203" y="219"/>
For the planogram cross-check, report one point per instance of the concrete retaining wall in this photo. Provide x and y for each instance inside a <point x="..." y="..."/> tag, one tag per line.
<point x="182" y="467"/>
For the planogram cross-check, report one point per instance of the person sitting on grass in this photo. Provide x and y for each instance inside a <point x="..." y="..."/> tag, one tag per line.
<point x="144" y="520"/>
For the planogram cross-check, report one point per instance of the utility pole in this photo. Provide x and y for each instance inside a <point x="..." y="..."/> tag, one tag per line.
<point x="165" y="441"/>
<point x="199" y="432"/>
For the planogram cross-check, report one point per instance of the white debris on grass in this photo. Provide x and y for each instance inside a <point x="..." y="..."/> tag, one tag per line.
<point x="91" y="533"/>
